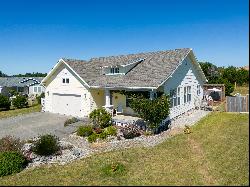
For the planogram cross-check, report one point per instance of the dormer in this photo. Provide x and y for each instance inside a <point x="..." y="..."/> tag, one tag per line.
<point x="121" y="69"/>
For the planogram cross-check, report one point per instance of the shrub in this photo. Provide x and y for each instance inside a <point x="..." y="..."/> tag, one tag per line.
<point x="70" y="121"/>
<point x="11" y="162"/>
<point x="10" y="143"/>
<point x="13" y="93"/>
<point x="130" y="132"/>
<point x="85" y="130"/>
<point x="93" y="137"/>
<point x="152" y="111"/>
<point x="46" y="145"/>
<point x="4" y="102"/>
<point x="20" y="101"/>
<point x="103" y="135"/>
<point x="38" y="97"/>
<point x="100" y="118"/>
<point x="111" y="130"/>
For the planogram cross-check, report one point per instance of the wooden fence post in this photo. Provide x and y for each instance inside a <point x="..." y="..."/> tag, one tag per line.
<point x="226" y="105"/>
<point x="247" y="109"/>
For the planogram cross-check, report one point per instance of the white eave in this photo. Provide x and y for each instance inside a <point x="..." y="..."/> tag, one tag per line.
<point x="124" y="65"/>
<point x="61" y="61"/>
<point x="194" y="59"/>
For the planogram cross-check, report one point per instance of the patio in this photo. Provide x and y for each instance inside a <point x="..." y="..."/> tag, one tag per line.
<point x="123" y="120"/>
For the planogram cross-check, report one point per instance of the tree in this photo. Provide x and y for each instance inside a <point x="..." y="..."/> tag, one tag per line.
<point x="230" y="73"/>
<point x="229" y="87"/>
<point x="20" y="101"/>
<point x="31" y="75"/>
<point x="4" y="102"/>
<point x="209" y="69"/>
<point x="152" y="111"/>
<point x="2" y="74"/>
<point x="242" y="76"/>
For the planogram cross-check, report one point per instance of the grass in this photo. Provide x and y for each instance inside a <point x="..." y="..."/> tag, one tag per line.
<point x="243" y="90"/>
<point x="216" y="152"/>
<point x="14" y="112"/>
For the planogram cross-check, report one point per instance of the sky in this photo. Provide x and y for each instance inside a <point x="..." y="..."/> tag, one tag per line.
<point x="35" y="34"/>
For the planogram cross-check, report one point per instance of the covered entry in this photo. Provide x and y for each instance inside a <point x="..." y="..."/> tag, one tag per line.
<point x="67" y="104"/>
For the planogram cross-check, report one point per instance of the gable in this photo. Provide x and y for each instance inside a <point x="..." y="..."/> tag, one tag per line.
<point x="62" y="71"/>
<point x="186" y="74"/>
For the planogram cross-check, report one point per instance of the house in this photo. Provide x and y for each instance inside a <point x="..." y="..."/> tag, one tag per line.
<point x="76" y="87"/>
<point x="24" y="85"/>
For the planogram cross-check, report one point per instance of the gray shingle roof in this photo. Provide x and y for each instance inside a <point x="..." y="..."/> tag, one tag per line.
<point x="151" y="72"/>
<point x="15" y="81"/>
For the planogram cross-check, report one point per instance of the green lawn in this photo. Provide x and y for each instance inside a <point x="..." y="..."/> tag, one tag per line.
<point x="15" y="112"/>
<point x="215" y="153"/>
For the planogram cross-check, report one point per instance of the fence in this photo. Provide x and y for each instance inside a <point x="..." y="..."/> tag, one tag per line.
<point x="237" y="104"/>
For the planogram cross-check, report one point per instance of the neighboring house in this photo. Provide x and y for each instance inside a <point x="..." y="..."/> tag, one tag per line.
<point x="76" y="87"/>
<point x="24" y="85"/>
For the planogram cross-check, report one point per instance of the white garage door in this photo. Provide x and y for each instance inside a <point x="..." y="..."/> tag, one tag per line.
<point x="68" y="104"/>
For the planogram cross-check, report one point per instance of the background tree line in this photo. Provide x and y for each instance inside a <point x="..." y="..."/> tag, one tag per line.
<point x="225" y="75"/>
<point x="24" y="75"/>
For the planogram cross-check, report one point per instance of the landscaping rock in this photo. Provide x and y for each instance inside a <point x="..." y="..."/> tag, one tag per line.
<point x="75" y="147"/>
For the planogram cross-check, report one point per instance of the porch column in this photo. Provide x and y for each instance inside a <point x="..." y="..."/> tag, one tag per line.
<point x="107" y="97"/>
<point x="152" y="94"/>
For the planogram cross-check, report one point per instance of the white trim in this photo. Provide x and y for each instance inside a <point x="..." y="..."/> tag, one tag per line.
<point x="51" y="71"/>
<point x="124" y="65"/>
<point x="191" y="50"/>
<point x="115" y="74"/>
<point x="75" y="73"/>
<point x="197" y="63"/>
<point x="137" y="61"/>
<point x="61" y="61"/>
<point x="175" y="69"/>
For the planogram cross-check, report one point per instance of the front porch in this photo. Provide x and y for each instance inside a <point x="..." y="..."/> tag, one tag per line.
<point x="116" y="103"/>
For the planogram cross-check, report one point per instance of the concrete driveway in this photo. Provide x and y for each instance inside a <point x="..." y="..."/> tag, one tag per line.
<point x="34" y="124"/>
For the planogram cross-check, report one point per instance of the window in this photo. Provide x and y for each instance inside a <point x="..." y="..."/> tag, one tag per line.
<point x="185" y="94"/>
<point x="35" y="89"/>
<point x="188" y="93"/>
<point x="178" y="96"/>
<point x="39" y="89"/>
<point x="114" y="70"/>
<point x="65" y="80"/>
<point x="198" y="89"/>
<point x="175" y="99"/>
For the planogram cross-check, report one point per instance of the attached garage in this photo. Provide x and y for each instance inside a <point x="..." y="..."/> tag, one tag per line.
<point x="68" y="104"/>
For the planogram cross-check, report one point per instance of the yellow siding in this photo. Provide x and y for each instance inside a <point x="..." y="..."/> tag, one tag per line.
<point x="98" y="99"/>
<point x="119" y="99"/>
